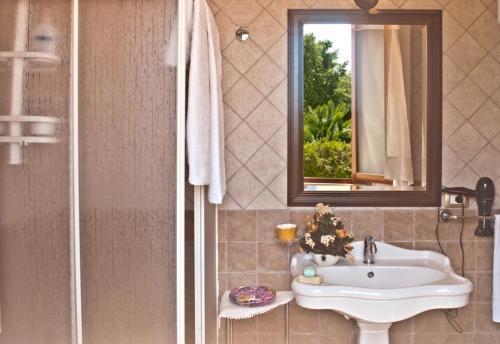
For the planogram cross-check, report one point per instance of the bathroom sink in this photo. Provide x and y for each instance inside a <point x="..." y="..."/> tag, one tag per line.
<point x="401" y="284"/>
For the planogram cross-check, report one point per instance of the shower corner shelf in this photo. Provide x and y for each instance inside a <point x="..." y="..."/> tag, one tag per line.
<point x="32" y="129"/>
<point x="32" y="59"/>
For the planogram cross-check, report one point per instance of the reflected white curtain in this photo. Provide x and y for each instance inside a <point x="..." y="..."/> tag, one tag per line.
<point x="398" y="161"/>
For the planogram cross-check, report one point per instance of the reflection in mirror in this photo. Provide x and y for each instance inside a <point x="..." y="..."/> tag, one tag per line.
<point x="365" y="107"/>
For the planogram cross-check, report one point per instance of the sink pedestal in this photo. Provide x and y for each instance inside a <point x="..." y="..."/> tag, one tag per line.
<point x="372" y="333"/>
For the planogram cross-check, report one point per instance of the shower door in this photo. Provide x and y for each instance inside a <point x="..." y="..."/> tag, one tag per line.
<point x="127" y="119"/>
<point x="35" y="212"/>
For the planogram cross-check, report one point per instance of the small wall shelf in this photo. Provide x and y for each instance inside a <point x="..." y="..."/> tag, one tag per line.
<point x="23" y="130"/>
<point x="31" y="59"/>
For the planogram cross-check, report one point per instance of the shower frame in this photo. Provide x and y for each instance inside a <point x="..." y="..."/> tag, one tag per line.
<point x="75" y="238"/>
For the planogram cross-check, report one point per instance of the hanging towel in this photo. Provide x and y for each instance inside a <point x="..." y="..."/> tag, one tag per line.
<point x="171" y="48"/>
<point x="205" y="115"/>
<point x="496" y="272"/>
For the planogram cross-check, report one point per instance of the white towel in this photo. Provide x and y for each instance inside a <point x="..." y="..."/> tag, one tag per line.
<point x="205" y="116"/>
<point x="171" y="48"/>
<point x="496" y="272"/>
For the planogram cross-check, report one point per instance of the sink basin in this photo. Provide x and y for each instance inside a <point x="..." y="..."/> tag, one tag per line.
<point x="402" y="283"/>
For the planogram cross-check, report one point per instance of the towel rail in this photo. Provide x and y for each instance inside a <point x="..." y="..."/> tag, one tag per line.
<point x="446" y="215"/>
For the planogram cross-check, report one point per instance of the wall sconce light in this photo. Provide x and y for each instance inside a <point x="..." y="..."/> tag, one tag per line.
<point x="367" y="5"/>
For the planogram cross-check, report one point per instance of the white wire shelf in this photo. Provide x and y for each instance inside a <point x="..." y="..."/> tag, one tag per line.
<point x="32" y="59"/>
<point x="32" y="129"/>
<point x="25" y="140"/>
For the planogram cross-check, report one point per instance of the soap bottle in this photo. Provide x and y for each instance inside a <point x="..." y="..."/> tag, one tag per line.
<point x="45" y="38"/>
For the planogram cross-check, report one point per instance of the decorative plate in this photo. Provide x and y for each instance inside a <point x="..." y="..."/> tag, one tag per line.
<point x="252" y="296"/>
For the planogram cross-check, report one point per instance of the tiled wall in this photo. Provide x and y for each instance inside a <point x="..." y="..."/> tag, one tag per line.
<point x="248" y="254"/>
<point x="254" y="85"/>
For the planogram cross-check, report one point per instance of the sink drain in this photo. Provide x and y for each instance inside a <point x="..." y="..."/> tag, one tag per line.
<point x="371" y="274"/>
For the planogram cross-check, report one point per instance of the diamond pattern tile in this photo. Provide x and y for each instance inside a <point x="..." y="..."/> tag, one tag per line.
<point x="264" y="3"/>
<point x="337" y="4"/>
<point x="465" y="11"/>
<point x="279" y="53"/>
<point x="265" y="120"/>
<point x="243" y="97"/>
<point x="242" y="55"/>
<point x="486" y="30"/>
<point x="279" y="142"/>
<point x="487" y="162"/>
<point x="309" y="2"/>
<point x="244" y="187"/>
<point x="466" y="52"/>
<point x="279" y="97"/>
<point x="495" y="52"/>
<point x="266" y="200"/>
<point x="279" y="188"/>
<point x="421" y="4"/>
<point x="242" y="12"/>
<point x="231" y="120"/>
<point x="232" y="164"/>
<point x="228" y="203"/>
<point x="257" y="104"/>
<point x="452" y="119"/>
<point x="466" y="177"/>
<point x="452" y="30"/>
<point x="452" y="75"/>
<point x="388" y="4"/>
<point x="266" y="31"/>
<point x="226" y="29"/>
<point x="496" y="143"/>
<point x="487" y="120"/>
<point x="243" y="143"/>
<point x="443" y="2"/>
<point x="487" y="75"/>
<point x="265" y="75"/>
<point x="466" y="142"/>
<point x="279" y="8"/>
<point x="467" y="97"/>
<point x="451" y="164"/>
<point x="266" y="165"/>
<point x="496" y="97"/>
<point x="229" y="75"/>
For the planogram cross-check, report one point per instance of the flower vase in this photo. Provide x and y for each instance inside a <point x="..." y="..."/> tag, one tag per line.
<point x="325" y="259"/>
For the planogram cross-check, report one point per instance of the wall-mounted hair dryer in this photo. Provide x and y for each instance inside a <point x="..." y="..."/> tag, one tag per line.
<point x="485" y="197"/>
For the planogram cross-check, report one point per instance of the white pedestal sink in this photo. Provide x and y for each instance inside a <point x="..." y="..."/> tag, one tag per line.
<point x="401" y="284"/>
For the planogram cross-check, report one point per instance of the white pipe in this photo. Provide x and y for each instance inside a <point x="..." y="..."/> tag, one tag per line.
<point x="199" y="263"/>
<point x="180" y="164"/>
<point x="76" y="284"/>
<point x="16" y="104"/>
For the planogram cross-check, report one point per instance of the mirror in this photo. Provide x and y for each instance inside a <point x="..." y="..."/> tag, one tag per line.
<point x="364" y="108"/>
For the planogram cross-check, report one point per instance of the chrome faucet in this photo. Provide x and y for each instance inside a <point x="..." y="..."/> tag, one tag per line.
<point x="370" y="250"/>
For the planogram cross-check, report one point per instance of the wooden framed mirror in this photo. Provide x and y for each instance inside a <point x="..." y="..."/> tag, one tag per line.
<point x="364" y="107"/>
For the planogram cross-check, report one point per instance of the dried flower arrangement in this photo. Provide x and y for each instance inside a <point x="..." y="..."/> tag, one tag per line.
<point x="326" y="234"/>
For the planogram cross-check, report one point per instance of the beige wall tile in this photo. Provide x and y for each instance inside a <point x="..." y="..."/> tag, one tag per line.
<point x="272" y="257"/>
<point x="303" y="320"/>
<point x="241" y="257"/>
<point x="425" y="224"/>
<point x="241" y="225"/>
<point x="268" y="220"/>
<point x="399" y="225"/>
<point x="435" y="321"/>
<point x="368" y="222"/>
<point x="273" y="321"/>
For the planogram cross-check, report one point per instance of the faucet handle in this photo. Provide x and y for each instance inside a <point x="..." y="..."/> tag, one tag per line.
<point x="373" y="248"/>
<point x="368" y="240"/>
